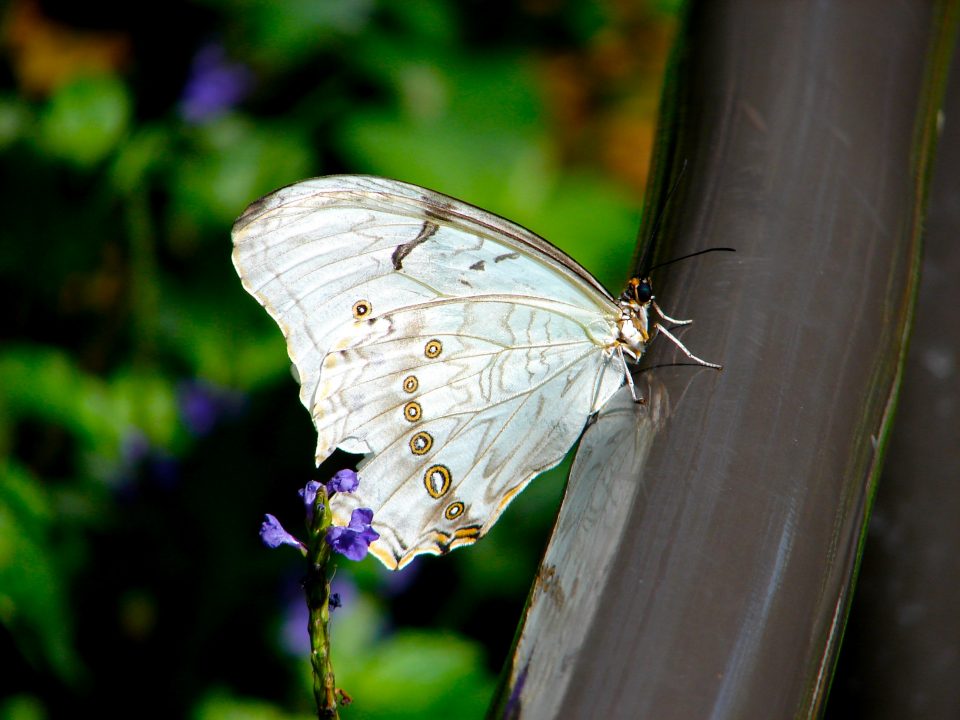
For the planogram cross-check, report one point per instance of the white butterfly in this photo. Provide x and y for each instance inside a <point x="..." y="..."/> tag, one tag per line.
<point x="460" y="352"/>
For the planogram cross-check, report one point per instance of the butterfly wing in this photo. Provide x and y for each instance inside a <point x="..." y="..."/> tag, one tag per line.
<point x="460" y="352"/>
<point x="462" y="403"/>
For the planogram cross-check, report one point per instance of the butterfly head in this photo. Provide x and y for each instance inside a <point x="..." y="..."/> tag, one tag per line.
<point x="638" y="292"/>
<point x="634" y="319"/>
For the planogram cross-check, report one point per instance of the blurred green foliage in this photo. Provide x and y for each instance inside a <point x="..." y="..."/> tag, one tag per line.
<point x="148" y="418"/>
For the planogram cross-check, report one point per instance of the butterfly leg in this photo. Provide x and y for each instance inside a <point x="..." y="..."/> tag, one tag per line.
<point x="666" y="317"/>
<point x="660" y="328"/>
<point x="626" y="371"/>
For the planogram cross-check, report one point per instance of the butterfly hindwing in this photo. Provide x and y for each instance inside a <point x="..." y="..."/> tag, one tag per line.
<point x="460" y="404"/>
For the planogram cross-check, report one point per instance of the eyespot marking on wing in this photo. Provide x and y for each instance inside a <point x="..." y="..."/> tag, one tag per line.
<point x="437" y="480"/>
<point x="433" y="348"/>
<point x="410" y="383"/>
<point x="362" y="309"/>
<point x="453" y="511"/>
<point x="421" y="443"/>
<point x="412" y="411"/>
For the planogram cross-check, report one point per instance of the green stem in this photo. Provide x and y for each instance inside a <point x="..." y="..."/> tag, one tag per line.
<point x="318" y="602"/>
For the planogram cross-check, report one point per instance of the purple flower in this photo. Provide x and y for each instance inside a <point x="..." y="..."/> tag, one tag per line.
<point x="213" y="86"/>
<point x="354" y="540"/>
<point x="273" y="534"/>
<point x="309" y="495"/>
<point x="343" y="481"/>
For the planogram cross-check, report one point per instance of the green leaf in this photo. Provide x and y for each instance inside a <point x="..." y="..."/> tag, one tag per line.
<point x="85" y="119"/>
<point x="285" y="33"/>
<point x="415" y="674"/>
<point x="221" y="706"/>
<point x="406" y="675"/>
<point x="138" y="156"/>
<point x="33" y="602"/>
<point x="230" y="164"/>
<point x="45" y="383"/>
<point x="22" y="707"/>
<point x="226" y="338"/>
<point x="594" y="222"/>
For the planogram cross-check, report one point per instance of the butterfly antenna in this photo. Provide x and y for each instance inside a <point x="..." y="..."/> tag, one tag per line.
<point x="690" y="255"/>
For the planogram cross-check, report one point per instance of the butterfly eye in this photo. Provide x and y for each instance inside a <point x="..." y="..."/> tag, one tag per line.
<point x="643" y="292"/>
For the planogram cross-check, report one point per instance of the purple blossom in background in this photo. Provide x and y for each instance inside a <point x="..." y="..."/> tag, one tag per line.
<point x="344" y="590"/>
<point x="153" y="464"/>
<point x="202" y="404"/>
<point x="343" y="481"/>
<point x="273" y="534"/>
<point x="294" y="637"/>
<point x="214" y="85"/>
<point x="353" y="541"/>
<point x="397" y="582"/>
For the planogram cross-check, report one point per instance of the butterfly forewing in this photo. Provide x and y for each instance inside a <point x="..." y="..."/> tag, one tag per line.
<point x="460" y="352"/>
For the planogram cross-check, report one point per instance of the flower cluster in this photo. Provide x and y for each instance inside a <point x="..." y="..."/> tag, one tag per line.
<point x="352" y="541"/>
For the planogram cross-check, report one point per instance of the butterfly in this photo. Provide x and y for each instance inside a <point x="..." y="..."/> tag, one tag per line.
<point x="459" y="352"/>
